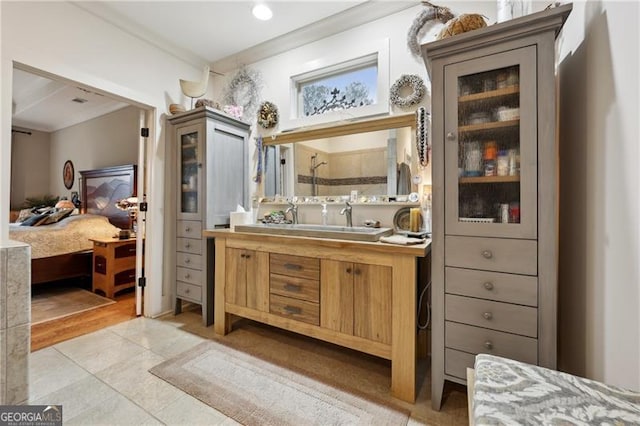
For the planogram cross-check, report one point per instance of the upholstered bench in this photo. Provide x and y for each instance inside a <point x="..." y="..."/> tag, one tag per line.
<point x="507" y="392"/>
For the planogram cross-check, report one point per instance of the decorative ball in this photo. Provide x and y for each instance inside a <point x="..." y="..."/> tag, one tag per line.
<point x="207" y="102"/>
<point x="462" y="24"/>
<point x="64" y="204"/>
<point x="267" y="115"/>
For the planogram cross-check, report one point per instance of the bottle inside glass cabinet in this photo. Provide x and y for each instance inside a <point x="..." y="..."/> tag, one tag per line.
<point x="189" y="173"/>
<point x="488" y="145"/>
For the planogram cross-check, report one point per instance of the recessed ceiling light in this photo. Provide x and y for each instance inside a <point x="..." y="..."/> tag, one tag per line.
<point x="262" y="12"/>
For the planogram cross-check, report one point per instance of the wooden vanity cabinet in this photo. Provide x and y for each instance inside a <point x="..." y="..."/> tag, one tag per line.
<point x="367" y="303"/>
<point x="356" y="299"/>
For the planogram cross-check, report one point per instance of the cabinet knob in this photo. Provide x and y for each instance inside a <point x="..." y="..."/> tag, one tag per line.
<point x="187" y="276"/>
<point x="487" y="254"/>
<point x="243" y="255"/>
<point x="451" y="136"/>
<point x="356" y="271"/>
<point x="247" y="256"/>
<point x="348" y="270"/>
<point x="488" y="285"/>
<point x="187" y="260"/>
<point x="187" y="229"/>
<point x="487" y="315"/>
<point x="488" y="345"/>
<point x="187" y="245"/>
<point x="187" y="291"/>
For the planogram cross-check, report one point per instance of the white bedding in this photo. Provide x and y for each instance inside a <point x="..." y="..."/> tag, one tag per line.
<point x="67" y="236"/>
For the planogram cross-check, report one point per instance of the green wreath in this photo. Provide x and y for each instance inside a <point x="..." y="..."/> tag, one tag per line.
<point x="417" y="87"/>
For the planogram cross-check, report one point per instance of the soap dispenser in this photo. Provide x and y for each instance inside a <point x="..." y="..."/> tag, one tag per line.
<point x="324" y="214"/>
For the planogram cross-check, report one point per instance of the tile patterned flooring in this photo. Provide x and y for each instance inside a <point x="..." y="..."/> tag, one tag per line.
<point x="102" y="378"/>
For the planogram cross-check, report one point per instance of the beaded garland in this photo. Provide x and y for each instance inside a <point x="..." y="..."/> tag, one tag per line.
<point x="416" y="84"/>
<point x="422" y="137"/>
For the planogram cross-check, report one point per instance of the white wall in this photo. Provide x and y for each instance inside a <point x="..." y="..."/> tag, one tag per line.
<point x="29" y="166"/>
<point x="109" y="140"/>
<point x="599" y="234"/>
<point x="65" y="40"/>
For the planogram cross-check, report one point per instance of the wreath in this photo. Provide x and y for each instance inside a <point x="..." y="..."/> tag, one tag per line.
<point x="267" y="115"/>
<point x="418" y="28"/>
<point x="244" y="91"/>
<point x="417" y="87"/>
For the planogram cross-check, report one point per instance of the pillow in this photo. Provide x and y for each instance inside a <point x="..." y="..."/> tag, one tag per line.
<point x="55" y="217"/>
<point x="24" y="215"/>
<point x="33" y="220"/>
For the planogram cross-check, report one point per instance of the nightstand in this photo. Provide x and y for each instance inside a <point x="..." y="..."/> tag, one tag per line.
<point x="114" y="265"/>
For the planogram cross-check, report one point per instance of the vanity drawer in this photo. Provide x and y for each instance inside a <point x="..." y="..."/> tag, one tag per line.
<point x="188" y="260"/>
<point x="295" y="266"/>
<point x="295" y="309"/>
<point x="481" y="340"/>
<point x="298" y="288"/>
<point x="510" y="288"/>
<point x="494" y="315"/>
<point x="457" y="362"/>
<point x="189" y="245"/>
<point x="492" y="254"/>
<point x="189" y="292"/>
<point x="126" y="250"/>
<point x="189" y="275"/>
<point x="189" y="229"/>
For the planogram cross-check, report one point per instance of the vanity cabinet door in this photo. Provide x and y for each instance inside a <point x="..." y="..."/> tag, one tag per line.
<point x="356" y="299"/>
<point x="247" y="280"/>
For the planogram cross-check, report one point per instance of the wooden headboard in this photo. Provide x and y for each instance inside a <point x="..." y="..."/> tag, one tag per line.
<point x="102" y="188"/>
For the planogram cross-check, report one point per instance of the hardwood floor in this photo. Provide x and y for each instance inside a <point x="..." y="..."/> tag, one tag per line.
<point x="51" y="332"/>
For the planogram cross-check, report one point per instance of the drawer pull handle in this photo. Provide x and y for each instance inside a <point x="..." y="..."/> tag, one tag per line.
<point x="487" y="315"/>
<point x="292" y="287"/>
<point x="451" y="136"/>
<point x="488" y="345"/>
<point x="292" y="309"/>
<point x="132" y="250"/>
<point x="348" y="270"/>
<point x="187" y="276"/>
<point x="488" y="285"/>
<point x="247" y="256"/>
<point x="187" y="245"/>
<point x="293" y="266"/>
<point x="487" y="254"/>
<point x="187" y="229"/>
<point x="243" y="255"/>
<point x="187" y="291"/>
<point x="187" y="260"/>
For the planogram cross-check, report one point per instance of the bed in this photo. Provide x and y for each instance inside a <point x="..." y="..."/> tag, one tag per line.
<point x="62" y="250"/>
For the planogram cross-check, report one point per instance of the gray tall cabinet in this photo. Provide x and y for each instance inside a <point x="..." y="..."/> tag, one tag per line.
<point x="210" y="175"/>
<point x="495" y="195"/>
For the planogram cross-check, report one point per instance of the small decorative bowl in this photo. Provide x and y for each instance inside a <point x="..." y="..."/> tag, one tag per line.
<point x="507" y="114"/>
<point x="176" y="108"/>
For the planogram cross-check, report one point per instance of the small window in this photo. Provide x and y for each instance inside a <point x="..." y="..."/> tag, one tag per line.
<point x="352" y="84"/>
<point x="351" y="87"/>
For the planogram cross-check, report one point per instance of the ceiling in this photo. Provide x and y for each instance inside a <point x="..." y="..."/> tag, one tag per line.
<point x="219" y="33"/>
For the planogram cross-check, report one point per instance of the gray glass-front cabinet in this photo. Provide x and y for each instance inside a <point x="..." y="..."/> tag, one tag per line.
<point x="495" y="208"/>
<point x="211" y="168"/>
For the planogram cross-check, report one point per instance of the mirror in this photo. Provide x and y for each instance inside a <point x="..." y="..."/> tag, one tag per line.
<point x="373" y="157"/>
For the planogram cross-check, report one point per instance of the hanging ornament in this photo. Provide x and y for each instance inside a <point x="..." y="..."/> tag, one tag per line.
<point x="267" y="115"/>
<point x="422" y="137"/>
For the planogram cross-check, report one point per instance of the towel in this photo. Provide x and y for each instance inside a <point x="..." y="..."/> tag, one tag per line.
<point x="402" y="240"/>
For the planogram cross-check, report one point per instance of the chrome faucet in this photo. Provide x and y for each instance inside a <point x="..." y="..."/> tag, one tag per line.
<point x="347" y="212"/>
<point x="294" y="212"/>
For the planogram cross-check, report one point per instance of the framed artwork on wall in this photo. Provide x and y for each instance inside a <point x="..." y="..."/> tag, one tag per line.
<point x="67" y="174"/>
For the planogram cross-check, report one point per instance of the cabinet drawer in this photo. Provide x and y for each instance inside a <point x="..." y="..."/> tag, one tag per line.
<point x="457" y="362"/>
<point x="510" y="288"/>
<point x="189" y="292"/>
<point x="189" y="275"/>
<point x="481" y="340"/>
<point x="298" y="310"/>
<point x="295" y="266"/>
<point x="495" y="315"/>
<point x="492" y="254"/>
<point x="124" y="277"/>
<point x="126" y="250"/>
<point x="188" y="260"/>
<point x="100" y="264"/>
<point x="298" y="288"/>
<point x="189" y="245"/>
<point x="189" y="229"/>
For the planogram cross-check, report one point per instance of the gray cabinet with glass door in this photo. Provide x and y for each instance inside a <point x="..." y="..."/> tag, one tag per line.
<point x="494" y="195"/>
<point x="211" y="167"/>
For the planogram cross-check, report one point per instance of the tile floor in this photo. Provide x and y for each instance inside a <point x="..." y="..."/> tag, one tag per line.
<point x="102" y="378"/>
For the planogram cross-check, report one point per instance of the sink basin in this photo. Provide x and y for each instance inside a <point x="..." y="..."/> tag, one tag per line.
<point x="357" y="233"/>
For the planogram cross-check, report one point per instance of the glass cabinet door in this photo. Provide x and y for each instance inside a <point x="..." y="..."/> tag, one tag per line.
<point x="189" y="176"/>
<point x="491" y="146"/>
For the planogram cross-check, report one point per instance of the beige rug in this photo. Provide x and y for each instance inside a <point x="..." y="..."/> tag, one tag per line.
<point x="58" y="302"/>
<point x="246" y="386"/>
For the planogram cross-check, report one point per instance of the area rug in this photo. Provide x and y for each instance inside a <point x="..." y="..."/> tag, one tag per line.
<point x="254" y="391"/>
<point x="48" y="304"/>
